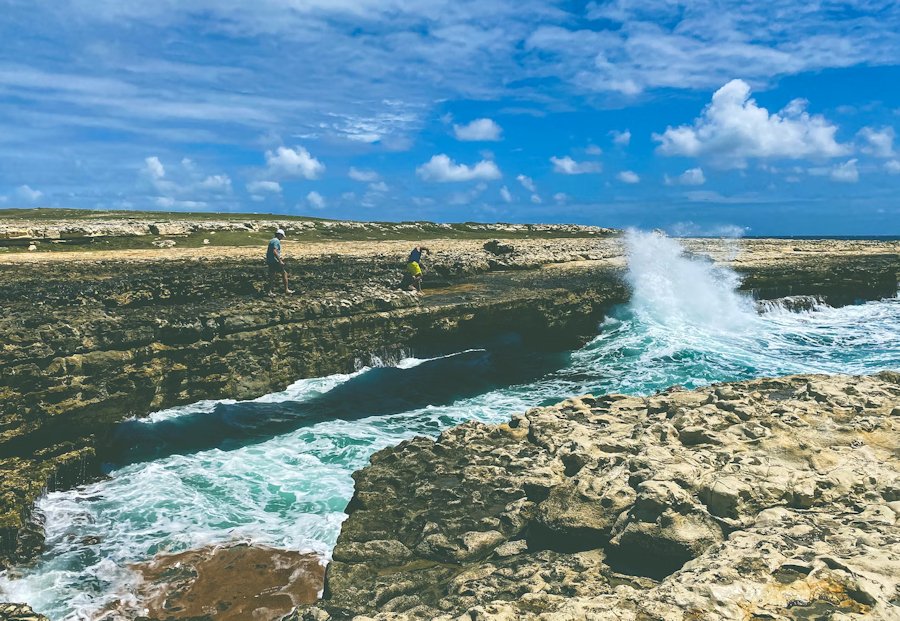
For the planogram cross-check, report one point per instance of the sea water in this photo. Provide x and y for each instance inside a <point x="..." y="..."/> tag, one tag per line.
<point x="276" y="471"/>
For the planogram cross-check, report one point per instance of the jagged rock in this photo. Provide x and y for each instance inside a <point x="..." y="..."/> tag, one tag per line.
<point x="19" y="612"/>
<point x="495" y="246"/>
<point x="766" y="499"/>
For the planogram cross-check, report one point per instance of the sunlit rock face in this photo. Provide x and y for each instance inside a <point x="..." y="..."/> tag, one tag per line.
<point x="772" y="498"/>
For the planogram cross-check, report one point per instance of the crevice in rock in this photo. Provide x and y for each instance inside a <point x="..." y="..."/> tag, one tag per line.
<point x="540" y="537"/>
<point x="633" y="561"/>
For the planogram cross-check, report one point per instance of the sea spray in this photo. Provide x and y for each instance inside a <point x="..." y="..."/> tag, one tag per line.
<point x="682" y="292"/>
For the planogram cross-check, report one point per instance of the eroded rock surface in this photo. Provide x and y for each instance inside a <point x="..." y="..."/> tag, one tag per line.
<point x="766" y="499"/>
<point x="231" y="583"/>
<point x="19" y="612"/>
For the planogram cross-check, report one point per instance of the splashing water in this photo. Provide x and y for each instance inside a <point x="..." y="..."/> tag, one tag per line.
<point x="685" y="325"/>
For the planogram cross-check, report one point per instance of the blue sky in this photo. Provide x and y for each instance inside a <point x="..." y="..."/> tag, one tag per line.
<point x="696" y="116"/>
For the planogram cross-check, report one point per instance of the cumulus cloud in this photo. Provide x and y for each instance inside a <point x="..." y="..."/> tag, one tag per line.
<point x="263" y="187"/>
<point x="154" y="168"/>
<point x="628" y="176"/>
<point x="506" y="195"/>
<point x="567" y="166"/>
<point x="879" y="143"/>
<point x="536" y="199"/>
<point x="378" y="187"/>
<point x="216" y="183"/>
<point x="692" y="176"/>
<point x="26" y="193"/>
<point x="316" y="200"/>
<point x="443" y="169"/>
<point x="527" y="182"/>
<point x="294" y="163"/>
<point x="365" y="176"/>
<point x="593" y="149"/>
<point x="561" y="198"/>
<point x="733" y="128"/>
<point x="621" y="138"/>
<point x="846" y="172"/>
<point x="478" y="130"/>
<point x="892" y="167"/>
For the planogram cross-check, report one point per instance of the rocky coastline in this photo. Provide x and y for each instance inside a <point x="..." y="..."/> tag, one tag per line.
<point x="93" y="338"/>
<point x="767" y="499"/>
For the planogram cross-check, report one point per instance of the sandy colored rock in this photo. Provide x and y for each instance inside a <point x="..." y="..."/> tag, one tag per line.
<point x="765" y="499"/>
<point x="19" y="612"/>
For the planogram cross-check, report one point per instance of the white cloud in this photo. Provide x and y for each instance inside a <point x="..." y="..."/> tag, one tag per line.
<point x="442" y="169"/>
<point x="701" y="44"/>
<point x="465" y="198"/>
<point x="567" y="166"/>
<point x="154" y="168"/>
<point x="362" y="175"/>
<point x="593" y="149"/>
<point x="27" y="194"/>
<point x="561" y="198"/>
<point x="167" y="202"/>
<point x="378" y="187"/>
<point x="892" y="167"/>
<point x="294" y="163"/>
<point x="622" y="138"/>
<point x="506" y="195"/>
<point x="879" y="143"/>
<point x="692" y="229"/>
<point x="316" y="200"/>
<point x="692" y="176"/>
<point x="536" y="199"/>
<point x="479" y="129"/>
<point x="733" y="128"/>
<point x="527" y="183"/>
<point x="846" y="172"/>
<point x="216" y="183"/>
<point x="628" y="176"/>
<point x="261" y="187"/>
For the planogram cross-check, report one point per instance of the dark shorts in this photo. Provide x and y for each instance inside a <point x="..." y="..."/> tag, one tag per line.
<point x="275" y="268"/>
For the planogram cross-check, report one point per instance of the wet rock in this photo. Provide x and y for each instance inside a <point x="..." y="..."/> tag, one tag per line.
<point x="230" y="583"/>
<point x="601" y="509"/>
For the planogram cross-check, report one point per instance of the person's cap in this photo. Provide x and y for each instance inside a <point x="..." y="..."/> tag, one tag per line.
<point x="279" y="232"/>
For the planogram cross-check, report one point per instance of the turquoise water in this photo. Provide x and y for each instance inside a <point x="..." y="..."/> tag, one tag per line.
<point x="286" y="482"/>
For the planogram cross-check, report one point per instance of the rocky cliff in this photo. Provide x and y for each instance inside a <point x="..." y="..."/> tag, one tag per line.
<point x="766" y="499"/>
<point x="92" y="338"/>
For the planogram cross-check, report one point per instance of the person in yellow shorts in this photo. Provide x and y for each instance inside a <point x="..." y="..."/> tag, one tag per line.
<point x="412" y="280"/>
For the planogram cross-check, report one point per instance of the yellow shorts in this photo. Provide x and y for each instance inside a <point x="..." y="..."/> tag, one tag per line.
<point x="413" y="268"/>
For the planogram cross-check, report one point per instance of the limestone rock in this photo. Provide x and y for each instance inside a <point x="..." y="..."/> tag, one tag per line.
<point x="766" y="499"/>
<point x="19" y="612"/>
